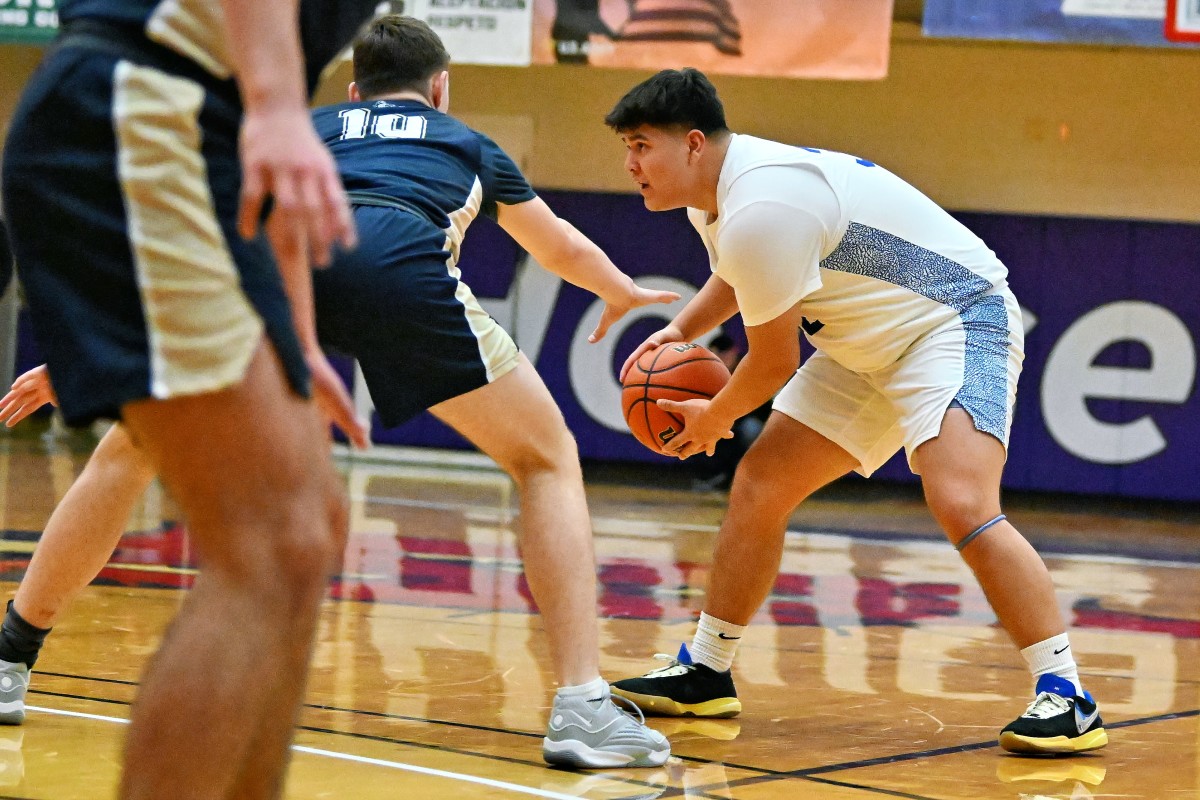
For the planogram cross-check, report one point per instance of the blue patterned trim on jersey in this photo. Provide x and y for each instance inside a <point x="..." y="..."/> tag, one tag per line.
<point x="984" y="391"/>
<point x="877" y="254"/>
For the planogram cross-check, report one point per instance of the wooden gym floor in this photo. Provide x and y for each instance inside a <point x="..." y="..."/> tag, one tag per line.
<point x="874" y="670"/>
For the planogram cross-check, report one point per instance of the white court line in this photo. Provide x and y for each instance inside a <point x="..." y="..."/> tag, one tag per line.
<point x="377" y="762"/>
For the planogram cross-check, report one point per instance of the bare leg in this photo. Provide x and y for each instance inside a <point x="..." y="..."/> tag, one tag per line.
<point x="961" y="471"/>
<point x="84" y="529"/>
<point x="516" y="422"/>
<point x="250" y="468"/>
<point x="788" y="462"/>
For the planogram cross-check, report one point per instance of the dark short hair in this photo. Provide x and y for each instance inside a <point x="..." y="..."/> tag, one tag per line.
<point x="397" y="54"/>
<point x="672" y="98"/>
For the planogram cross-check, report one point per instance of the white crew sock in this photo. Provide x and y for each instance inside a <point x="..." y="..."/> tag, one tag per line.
<point x="716" y="642"/>
<point x="592" y="687"/>
<point x="1053" y="656"/>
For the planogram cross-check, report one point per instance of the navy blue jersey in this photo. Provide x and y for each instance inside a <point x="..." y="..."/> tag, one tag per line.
<point x="192" y="27"/>
<point x="405" y="151"/>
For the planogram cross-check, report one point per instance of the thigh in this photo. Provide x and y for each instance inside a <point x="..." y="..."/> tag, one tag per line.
<point x="511" y="419"/>
<point x="960" y="472"/>
<point x="121" y="186"/>
<point x="251" y="457"/>
<point x="787" y="462"/>
<point x="843" y="407"/>
<point x="399" y="307"/>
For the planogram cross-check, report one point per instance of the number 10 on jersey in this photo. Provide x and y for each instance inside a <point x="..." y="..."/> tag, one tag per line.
<point x="358" y="122"/>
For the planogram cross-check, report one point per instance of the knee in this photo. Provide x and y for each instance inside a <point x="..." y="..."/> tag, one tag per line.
<point x="962" y="509"/>
<point x="757" y="488"/>
<point x="280" y="547"/>
<point x="302" y="551"/>
<point x="117" y="457"/>
<point x="554" y="455"/>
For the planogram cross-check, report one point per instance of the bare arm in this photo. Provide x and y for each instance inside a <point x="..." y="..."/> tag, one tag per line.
<point x="771" y="359"/>
<point x="560" y="248"/>
<point x="329" y="393"/>
<point x="281" y="154"/>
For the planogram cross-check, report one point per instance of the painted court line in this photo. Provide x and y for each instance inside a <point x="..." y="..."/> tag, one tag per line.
<point x="376" y="762"/>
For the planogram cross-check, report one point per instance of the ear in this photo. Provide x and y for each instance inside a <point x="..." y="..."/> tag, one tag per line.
<point x="439" y="91"/>
<point x="696" y="140"/>
<point x="353" y="93"/>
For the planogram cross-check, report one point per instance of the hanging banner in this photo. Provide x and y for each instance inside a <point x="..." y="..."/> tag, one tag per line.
<point x="845" y="39"/>
<point x="1112" y="22"/>
<point x="1183" y="20"/>
<point x="28" y="21"/>
<point x="495" y="32"/>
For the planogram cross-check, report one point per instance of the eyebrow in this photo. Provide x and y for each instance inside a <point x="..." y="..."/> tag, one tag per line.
<point x="641" y="137"/>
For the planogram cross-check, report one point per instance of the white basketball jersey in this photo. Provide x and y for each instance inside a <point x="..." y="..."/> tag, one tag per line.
<point x="876" y="263"/>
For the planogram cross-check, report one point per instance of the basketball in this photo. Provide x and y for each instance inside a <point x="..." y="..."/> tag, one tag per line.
<point x="671" y="371"/>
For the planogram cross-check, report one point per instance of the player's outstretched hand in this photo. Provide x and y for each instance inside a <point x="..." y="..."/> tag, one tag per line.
<point x="283" y="158"/>
<point x="333" y="400"/>
<point x="29" y="392"/>
<point x="700" y="432"/>
<point x="667" y="334"/>
<point x="639" y="297"/>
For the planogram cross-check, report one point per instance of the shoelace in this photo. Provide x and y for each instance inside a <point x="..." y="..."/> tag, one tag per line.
<point x="1046" y="705"/>
<point x="676" y="667"/>
<point x="638" y="715"/>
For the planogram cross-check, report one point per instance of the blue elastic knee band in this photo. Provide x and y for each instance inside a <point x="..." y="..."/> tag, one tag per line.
<point x="970" y="536"/>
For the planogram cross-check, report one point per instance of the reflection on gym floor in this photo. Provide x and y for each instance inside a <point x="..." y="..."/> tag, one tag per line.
<point x="875" y="667"/>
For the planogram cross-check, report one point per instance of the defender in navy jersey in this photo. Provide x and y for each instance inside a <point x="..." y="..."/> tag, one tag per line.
<point x="135" y="173"/>
<point x="918" y="345"/>
<point x="398" y="304"/>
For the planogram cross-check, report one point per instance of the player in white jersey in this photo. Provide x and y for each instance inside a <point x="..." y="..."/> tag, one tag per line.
<point x="918" y="345"/>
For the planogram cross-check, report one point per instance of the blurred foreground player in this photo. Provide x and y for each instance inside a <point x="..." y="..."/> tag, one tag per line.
<point x="428" y="344"/>
<point x="156" y="300"/>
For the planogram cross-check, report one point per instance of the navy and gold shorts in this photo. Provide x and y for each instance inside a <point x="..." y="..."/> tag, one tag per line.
<point x="397" y="304"/>
<point x="121" y="185"/>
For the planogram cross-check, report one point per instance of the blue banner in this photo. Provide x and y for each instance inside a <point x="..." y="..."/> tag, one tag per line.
<point x="1107" y="403"/>
<point x="1112" y="22"/>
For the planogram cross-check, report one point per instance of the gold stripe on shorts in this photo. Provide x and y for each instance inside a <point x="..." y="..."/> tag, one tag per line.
<point x="202" y="330"/>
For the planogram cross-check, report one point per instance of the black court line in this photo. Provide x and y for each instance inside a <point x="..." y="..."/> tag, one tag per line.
<point x="437" y="748"/>
<point x="384" y="715"/>
<point x="764" y="775"/>
<point x="810" y="773"/>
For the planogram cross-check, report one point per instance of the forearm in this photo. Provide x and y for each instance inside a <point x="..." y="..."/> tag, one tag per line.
<point x="296" y="272"/>
<point x="580" y="262"/>
<point x="772" y="358"/>
<point x="713" y="304"/>
<point x="753" y="383"/>
<point x="264" y="43"/>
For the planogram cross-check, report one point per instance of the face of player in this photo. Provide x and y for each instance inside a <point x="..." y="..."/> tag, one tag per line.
<point x="664" y="165"/>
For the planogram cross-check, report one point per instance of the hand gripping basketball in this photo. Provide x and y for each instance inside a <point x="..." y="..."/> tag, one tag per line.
<point x="671" y="371"/>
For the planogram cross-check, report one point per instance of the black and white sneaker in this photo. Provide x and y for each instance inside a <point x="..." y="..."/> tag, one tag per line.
<point x="1057" y="721"/>
<point x="682" y="689"/>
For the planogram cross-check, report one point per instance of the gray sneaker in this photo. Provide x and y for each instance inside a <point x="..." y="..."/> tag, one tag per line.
<point x="587" y="733"/>
<point x="14" y="682"/>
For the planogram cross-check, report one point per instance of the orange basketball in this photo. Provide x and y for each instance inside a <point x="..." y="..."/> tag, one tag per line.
<point x="671" y="371"/>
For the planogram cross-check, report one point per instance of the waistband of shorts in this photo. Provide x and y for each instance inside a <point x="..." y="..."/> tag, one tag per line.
<point x="129" y="43"/>
<point x="361" y="198"/>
